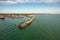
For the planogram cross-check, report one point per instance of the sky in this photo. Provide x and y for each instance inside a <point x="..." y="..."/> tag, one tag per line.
<point x="30" y="6"/>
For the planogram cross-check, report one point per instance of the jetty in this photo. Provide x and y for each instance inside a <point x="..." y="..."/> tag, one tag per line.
<point x="24" y="24"/>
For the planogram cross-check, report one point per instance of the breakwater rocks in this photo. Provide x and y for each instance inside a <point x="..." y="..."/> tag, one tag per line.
<point x="24" y="24"/>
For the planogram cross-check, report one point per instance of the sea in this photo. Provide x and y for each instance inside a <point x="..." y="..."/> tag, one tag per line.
<point x="44" y="27"/>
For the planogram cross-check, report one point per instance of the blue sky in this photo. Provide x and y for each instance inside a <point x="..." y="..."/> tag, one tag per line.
<point x="29" y="6"/>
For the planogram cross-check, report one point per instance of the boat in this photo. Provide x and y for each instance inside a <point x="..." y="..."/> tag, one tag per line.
<point x="2" y="17"/>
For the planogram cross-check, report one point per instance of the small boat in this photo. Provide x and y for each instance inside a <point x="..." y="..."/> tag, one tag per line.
<point x="2" y="17"/>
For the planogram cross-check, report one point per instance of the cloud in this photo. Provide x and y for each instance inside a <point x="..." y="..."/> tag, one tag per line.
<point x="19" y="1"/>
<point x="50" y="0"/>
<point x="8" y="2"/>
<point x="27" y="1"/>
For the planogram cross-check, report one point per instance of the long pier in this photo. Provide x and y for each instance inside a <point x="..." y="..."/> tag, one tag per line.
<point x="24" y="24"/>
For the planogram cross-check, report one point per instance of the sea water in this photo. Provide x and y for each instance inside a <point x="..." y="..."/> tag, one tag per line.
<point x="44" y="27"/>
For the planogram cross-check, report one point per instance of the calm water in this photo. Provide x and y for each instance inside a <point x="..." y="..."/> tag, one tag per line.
<point x="44" y="27"/>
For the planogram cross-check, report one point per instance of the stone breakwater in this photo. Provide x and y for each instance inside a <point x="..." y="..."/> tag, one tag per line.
<point x="24" y="24"/>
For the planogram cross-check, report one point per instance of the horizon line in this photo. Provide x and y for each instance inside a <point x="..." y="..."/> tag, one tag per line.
<point x="29" y="13"/>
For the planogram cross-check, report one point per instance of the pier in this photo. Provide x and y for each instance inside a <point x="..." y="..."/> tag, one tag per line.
<point x="24" y="24"/>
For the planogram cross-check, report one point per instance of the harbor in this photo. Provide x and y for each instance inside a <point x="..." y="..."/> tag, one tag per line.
<point x="22" y="24"/>
<point x="44" y="27"/>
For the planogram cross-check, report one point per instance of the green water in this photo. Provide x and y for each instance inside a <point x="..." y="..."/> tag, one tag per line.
<point x="44" y="27"/>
